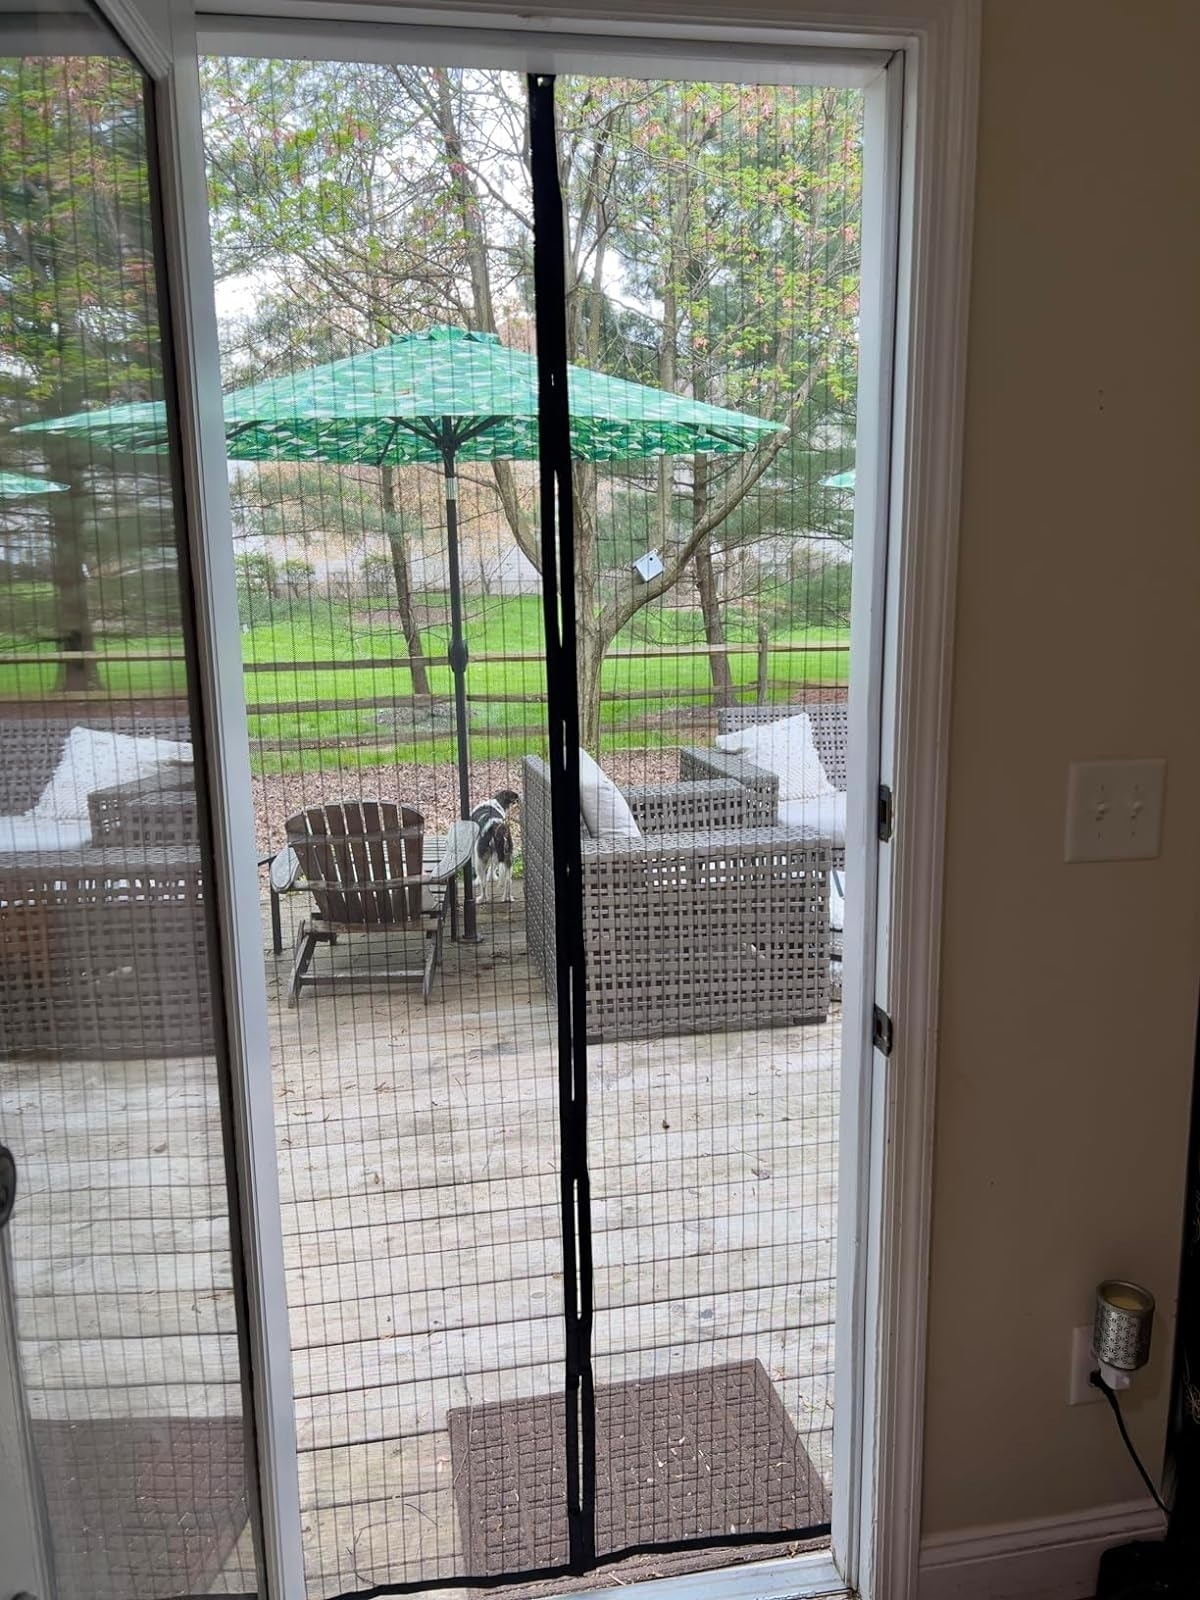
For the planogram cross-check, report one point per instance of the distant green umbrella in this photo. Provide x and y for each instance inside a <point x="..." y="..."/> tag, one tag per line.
<point x="442" y="396"/>
<point x="15" y="484"/>
<point x="839" y="480"/>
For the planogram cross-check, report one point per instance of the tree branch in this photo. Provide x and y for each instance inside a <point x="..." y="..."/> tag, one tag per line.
<point x="631" y="597"/>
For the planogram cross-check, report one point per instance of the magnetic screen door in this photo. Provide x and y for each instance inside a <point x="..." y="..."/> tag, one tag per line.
<point x="540" y="417"/>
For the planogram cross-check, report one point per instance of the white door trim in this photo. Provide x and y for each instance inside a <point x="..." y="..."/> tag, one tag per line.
<point x="937" y="189"/>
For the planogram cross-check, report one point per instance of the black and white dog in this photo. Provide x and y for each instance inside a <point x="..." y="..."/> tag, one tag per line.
<point x="494" y="846"/>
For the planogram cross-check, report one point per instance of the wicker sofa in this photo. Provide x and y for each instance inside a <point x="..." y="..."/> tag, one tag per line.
<point x="711" y="919"/>
<point x="830" y="726"/>
<point x="830" y="732"/>
<point x="103" y="949"/>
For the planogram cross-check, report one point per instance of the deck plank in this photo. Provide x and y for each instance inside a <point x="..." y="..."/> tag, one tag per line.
<point x="419" y="1187"/>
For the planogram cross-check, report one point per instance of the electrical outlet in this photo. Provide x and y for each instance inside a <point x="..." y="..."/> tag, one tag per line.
<point x="1083" y="1363"/>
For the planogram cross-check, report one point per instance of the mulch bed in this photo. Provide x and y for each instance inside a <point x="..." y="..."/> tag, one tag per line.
<point x="433" y="790"/>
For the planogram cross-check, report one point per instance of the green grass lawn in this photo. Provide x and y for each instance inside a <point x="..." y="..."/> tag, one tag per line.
<point x="657" y="684"/>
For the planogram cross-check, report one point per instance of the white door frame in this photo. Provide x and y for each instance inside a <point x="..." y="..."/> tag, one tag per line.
<point x="161" y="35"/>
<point x="891" y="1126"/>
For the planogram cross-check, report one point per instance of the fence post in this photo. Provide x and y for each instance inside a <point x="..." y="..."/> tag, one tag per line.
<point x="763" y="664"/>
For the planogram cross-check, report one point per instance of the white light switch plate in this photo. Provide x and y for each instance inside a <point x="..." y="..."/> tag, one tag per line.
<point x="1114" y="810"/>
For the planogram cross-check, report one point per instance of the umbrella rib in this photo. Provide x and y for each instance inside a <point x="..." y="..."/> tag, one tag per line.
<point x="397" y="424"/>
<point x="430" y="429"/>
<point x="474" y="429"/>
<point x="422" y="427"/>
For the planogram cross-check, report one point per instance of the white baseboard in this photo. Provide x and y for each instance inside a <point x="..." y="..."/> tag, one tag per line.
<point x="1050" y="1558"/>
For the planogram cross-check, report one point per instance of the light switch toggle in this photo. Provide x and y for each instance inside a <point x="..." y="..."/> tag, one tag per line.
<point x="1114" y="809"/>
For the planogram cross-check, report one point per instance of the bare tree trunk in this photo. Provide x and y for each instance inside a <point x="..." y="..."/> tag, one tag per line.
<point x="483" y="311"/>
<point x="677" y="213"/>
<point x="714" y="627"/>
<point x="75" y="631"/>
<point x="591" y="647"/>
<point x="591" y="640"/>
<point x="398" y="547"/>
<point x="468" y="205"/>
<point x="706" y="577"/>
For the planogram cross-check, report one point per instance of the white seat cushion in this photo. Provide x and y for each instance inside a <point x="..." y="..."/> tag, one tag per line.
<point x="605" y="810"/>
<point x="823" y="821"/>
<point x="837" y="901"/>
<point x="94" y="759"/>
<point x="787" y="749"/>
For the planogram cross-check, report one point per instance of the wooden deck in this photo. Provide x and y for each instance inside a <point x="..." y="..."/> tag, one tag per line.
<point x="418" y="1170"/>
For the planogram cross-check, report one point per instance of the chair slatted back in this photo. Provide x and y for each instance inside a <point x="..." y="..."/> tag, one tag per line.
<point x="350" y="852"/>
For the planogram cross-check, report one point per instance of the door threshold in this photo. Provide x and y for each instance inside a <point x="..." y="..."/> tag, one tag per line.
<point x="801" y="1577"/>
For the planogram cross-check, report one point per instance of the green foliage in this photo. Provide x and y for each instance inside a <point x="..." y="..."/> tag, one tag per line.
<point x="332" y="175"/>
<point x="256" y="574"/>
<point x="76" y="250"/>
<point x="660" y="685"/>
<point x="296" y="500"/>
<point x="712" y="248"/>
<point x="296" y="577"/>
<point x="377" y="575"/>
<point x="80" y="329"/>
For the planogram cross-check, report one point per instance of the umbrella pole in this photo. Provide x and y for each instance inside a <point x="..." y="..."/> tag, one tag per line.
<point x="458" y="668"/>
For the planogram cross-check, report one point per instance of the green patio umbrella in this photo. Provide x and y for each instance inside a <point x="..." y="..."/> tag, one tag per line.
<point x="15" y="484"/>
<point x="441" y="396"/>
<point x="839" y="480"/>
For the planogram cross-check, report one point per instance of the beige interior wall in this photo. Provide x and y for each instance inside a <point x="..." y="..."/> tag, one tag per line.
<point x="1069" y="1002"/>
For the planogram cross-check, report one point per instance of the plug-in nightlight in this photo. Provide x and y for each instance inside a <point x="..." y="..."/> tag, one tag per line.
<point x="1121" y="1331"/>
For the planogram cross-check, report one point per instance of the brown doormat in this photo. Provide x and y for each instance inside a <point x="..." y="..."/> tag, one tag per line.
<point x="697" y="1456"/>
<point x="142" y="1508"/>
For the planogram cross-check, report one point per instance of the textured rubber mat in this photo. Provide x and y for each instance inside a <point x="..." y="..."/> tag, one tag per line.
<point x="700" y="1455"/>
<point x="142" y="1509"/>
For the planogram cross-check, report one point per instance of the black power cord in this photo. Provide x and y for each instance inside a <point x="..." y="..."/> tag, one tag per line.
<point x="1097" y="1382"/>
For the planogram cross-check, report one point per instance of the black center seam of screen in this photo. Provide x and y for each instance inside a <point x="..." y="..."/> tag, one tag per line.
<point x="562" y="719"/>
<point x="562" y="714"/>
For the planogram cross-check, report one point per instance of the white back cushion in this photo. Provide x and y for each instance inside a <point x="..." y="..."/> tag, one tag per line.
<point x="605" y="810"/>
<point x="93" y="759"/>
<point x="785" y="748"/>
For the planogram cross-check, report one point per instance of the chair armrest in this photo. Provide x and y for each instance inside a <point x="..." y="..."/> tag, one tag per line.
<point x="688" y="807"/>
<point x="457" y="850"/>
<point x="762" y="786"/>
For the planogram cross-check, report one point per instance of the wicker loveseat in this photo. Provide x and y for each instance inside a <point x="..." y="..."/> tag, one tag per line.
<point x="103" y="949"/>
<point x="829" y="725"/>
<point x="710" y="920"/>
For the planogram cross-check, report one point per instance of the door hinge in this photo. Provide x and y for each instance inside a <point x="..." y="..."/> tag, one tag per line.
<point x="881" y="1031"/>
<point x="886" y="813"/>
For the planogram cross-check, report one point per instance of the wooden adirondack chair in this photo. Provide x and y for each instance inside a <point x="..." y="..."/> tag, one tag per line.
<point x="362" y="862"/>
